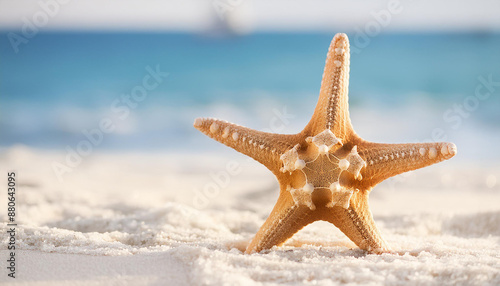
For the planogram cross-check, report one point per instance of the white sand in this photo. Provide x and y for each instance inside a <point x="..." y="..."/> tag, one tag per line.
<point x="139" y="219"/>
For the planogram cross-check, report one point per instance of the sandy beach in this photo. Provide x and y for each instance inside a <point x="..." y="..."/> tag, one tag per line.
<point x="146" y="219"/>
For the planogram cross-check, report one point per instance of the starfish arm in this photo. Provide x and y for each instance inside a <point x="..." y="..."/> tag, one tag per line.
<point x="387" y="160"/>
<point x="285" y="220"/>
<point x="332" y="108"/>
<point x="264" y="147"/>
<point x="357" y="223"/>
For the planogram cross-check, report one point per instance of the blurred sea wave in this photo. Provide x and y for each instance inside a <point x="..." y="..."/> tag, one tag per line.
<point x="401" y="87"/>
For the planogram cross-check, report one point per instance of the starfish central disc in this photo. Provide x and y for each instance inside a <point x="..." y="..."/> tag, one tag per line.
<point x="318" y="167"/>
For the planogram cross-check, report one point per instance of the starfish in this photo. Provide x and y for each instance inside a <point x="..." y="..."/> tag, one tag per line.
<point x="326" y="171"/>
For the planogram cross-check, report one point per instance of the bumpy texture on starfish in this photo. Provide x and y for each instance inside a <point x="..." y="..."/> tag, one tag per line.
<point x="327" y="171"/>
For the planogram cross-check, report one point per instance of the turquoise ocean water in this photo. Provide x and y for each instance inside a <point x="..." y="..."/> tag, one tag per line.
<point x="60" y="84"/>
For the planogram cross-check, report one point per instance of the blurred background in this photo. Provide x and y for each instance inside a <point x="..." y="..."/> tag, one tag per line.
<point x="139" y="72"/>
